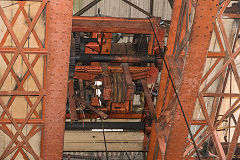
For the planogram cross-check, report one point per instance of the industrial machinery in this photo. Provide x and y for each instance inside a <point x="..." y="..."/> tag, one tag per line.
<point x="108" y="69"/>
<point x="114" y="72"/>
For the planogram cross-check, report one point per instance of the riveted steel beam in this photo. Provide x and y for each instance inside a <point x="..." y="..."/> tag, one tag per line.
<point x="59" y="27"/>
<point x="204" y="18"/>
<point x="117" y="25"/>
<point x="164" y="88"/>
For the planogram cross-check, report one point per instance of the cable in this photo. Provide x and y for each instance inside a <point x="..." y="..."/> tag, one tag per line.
<point x="175" y="90"/>
<point x="10" y="5"/>
<point x="104" y="139"/>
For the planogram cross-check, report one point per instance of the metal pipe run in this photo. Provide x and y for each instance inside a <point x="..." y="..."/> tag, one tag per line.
<point x="133" y="126"/>
<point x="118" y="58"/>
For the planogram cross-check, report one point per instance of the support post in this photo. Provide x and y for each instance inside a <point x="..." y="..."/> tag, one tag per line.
<point x="59" y="27"/>
<point x="204" y="19"/>
<point x="164" y="81"/>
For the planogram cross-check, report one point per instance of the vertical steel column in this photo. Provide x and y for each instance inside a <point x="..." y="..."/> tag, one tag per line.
<point x="59" y="28"/>
<point x="204" y="19"/>
<point x="164" y="80"/>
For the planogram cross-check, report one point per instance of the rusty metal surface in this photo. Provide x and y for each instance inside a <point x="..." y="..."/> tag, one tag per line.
<point x="194" y="64"/>
<point x="215" y="119"/>
<point x="59" y="26"/>
<point x="164" y="88"/>
<point x="118" y="58"/>
<point x="71" y="101"/>
<point x="98" y="112"/>
<point x="117" y="25"/>
<point x="171" y="146"/>
<point x="119" y="90"/>
<point x="119" y="96"/>
<point x="213" y="122"/>
<point x="98" y="69"/>
<point x="135" y="76"/>
<point x="19" y="141"/>
<point x="128" y="85"/>
<point x="110" y="116"/>
<point x="149" y="99"/>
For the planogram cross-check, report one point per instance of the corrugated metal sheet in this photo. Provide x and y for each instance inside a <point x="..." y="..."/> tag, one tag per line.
<point x="118" y="8"/>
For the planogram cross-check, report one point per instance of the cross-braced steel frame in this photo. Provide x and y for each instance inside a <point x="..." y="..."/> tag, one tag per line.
<point x="58" y="25"/>
<point x="169" y="136"/>
<point x="188" y="45"/>
<point x="229" y="53"/>
<point x="37" y="124"/>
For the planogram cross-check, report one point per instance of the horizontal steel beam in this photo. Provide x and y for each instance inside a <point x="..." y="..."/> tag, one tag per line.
<point x="20" y="121"/>
<point x="113" y="25"/>
<point x="117" y="58"/>
<point x="98" y="69"/>
<point x="139" y="126"/>
<point x="110" y="116"/>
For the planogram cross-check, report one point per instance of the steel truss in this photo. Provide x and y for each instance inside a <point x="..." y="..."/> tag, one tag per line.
<point x="169" y="136"/>
<point x="227" y="72"/>
<point x="56" y="24"/>
<point x="21" y="147"/>
<point x="188" y="44"/>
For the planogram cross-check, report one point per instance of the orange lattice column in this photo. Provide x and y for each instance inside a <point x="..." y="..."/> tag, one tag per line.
<point x="22" y="87"/>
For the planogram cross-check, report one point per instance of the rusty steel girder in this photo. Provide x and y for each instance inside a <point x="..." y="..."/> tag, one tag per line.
<point x="112" y="25"/>
<point x="207" y="136"/>
<point x="170" y="132"/>
<point x="59" y="27"/>
<point x="205" y="13"/>
<point x="157" y="144"/>
<point x="119" y="58"/>
<point x="220" y="113"/>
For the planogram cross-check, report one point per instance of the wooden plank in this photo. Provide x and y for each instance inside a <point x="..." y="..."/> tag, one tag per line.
<point x="95" y="136"/>
<point x="93" y="141"/>
<point x="100" y="147"/>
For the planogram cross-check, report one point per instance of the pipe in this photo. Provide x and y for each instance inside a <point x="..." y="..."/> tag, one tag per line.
<point x="117" y="58"/>
<point x="133" y="126"/>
